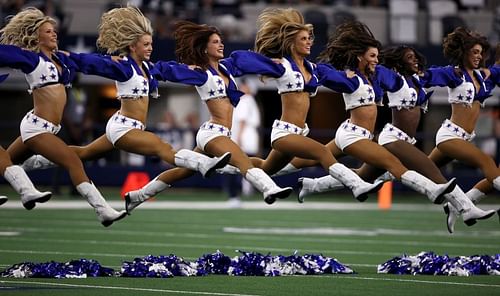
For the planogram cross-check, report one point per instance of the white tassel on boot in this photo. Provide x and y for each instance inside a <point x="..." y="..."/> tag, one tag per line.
<point x="262" y="182"/>
<point x="287" y="169"/>
<point x="419" y="183"/>
<point x="106" y="214"/>
<point x="22" y="184"/>
<point x="460" y="204"/>
<point x="3" y="199"/>
<point x="317" y="185"/>
<point x="135" y="197"/>
<point x="37" y="162"/>
<point x="360" y="189"/>
<point x="198" y="162"/>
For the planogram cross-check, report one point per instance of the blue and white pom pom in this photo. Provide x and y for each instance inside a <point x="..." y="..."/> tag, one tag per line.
<point x="81" y="268"/>
<point x="428" y="263"/>
<point x="158" y="266"/>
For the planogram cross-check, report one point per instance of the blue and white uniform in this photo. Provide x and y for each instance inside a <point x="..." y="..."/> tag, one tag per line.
<point x="211" y="86"/>
<point x="461" y="90"/>
<point x="130" y="85"/>
<point x="358" y="92"/>
<point x="39" y="71"/>
<point x="411" y="95"/>
<point x="292" y="80"/>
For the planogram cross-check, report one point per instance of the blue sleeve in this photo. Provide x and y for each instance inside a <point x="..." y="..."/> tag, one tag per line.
<point x="175" y="72"/>
<point x="441" y="76"/>
<point x="336" y="80"/>
<point x="101" y="65"/>
<point x="3" y="77"/>
<point x="17" y="58"/>
<point x="495" y="75"/>
<point x="242" y="62"/>
<point x="388" y="79"/>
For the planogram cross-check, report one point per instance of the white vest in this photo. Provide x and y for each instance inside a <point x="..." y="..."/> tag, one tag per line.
<point x="362" y="96"/>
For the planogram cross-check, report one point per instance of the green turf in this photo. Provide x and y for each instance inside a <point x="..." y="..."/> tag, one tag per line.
<point x="62" y="235"/>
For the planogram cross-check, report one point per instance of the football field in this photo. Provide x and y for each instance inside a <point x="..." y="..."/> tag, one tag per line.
<point x="190" y="224"/>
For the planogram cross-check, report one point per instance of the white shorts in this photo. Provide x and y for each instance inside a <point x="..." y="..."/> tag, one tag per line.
<point x="349" y="133"/>
<point x="33" y="125"/>
<point x="450" y="131"/>
<point x="391" y="134"/>
<point x="209" y="131"/>
<point x="118" y="125"/>
<point x="283" y="128"/>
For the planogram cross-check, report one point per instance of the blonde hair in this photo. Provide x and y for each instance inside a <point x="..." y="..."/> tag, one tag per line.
<point x="22" y="28"/>
<point x="277" y="28"/>
<point x="121" y="27"/>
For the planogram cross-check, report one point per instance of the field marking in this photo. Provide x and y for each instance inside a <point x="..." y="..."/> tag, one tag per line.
<point x="250" y="205"/>
<point x="9" y="233"/>
<point x="124" y="288"/>
<point x="412" y="281"/>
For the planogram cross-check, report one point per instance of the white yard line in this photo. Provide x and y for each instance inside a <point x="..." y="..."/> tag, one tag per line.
<point x="122" y="288"/>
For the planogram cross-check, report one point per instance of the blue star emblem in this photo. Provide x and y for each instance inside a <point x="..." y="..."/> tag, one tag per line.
<point x="289" y="85"/>
<point x="135" y="90"/>
<point x="460" y="97"/>
<point x="221" y="129"/>
<point x="34" y="120"/>
<point x="220" y="90"/>
<point x="286" y="126"/>
<point x="400" y="134"/>
<point x="364" y="132"/>
<point x="124" y="119"/>
<point x="370" y="90"/>
<point x="370" y="98"/>
<point x="144" y="91"/>
<point x="361" y="100"/>
<point x="403" y="101"/>
<point x="296" y="129"/>
<point x="211" y="93"/>
<point x="43" y="77"/>
<point x="45" y="125"/>
<point x="448" y="125"/>
<point x="412" y="102"/>
<point x="469" y="92"/>
<point x="469" y="98"/>
<point x="391" y="129"/>
<point x="455" y="130"/>
<point x="211" y="126"/>
<point x="219" y="81"/>
<point x="353" y="128"/>
<point x="297" y="75"/>
<point x="144" y="82"/>
<point x="52" y="68"/>
<point x="298" y="84"/>
<point x="53" y="76"/>
<point x="134" y="124"/>
<point x="413" y="95"/>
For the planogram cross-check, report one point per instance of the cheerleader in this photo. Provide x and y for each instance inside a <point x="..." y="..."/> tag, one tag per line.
<point x="29" y="43"/>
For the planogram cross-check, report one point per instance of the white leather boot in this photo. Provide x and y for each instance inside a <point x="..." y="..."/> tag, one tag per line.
<point x="37" y="162"/>
<point x="106" y="214"/>
<point x="228" y="170"/>
<point x="460" y="204"/>
<point x="198" y="162"/>
<point x="135" y="197"/>
<point x="22" y="184"/>
<point x="262" y="182"/>
<point x="360" y="189"/>
<point x="475" y="195"/>
<point x="419" y="183"/>
<point x="317" y="185"/>
<point x="287" y="169"/>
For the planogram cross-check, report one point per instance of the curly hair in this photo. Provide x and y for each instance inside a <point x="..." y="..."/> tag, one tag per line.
<point x="22" y="29"/>
<point x="392" y="57"/>
<point x="350" y="40"/>
<point x="276" y="31"/>
<point x="191" y="42"/>
<point x="457" y="44"/>
<point x="121" y="27"/>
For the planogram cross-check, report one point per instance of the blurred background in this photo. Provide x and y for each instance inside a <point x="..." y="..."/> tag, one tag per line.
<point x="176" y="115"/>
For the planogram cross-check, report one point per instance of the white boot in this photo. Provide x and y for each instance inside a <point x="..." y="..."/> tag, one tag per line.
<point x="228" y="170"/>
<point x="460" y="204"/>
<point x="419" y="183"/>
<point x="3" y="199"/>
<point x="135" y="197"/>
<point x="198" y="162"/>
<point x="317" y="185"/>
<point x="496" y="183"/>
<point x="360" y="189"/>
<point x="106" y="214"/>
<point x="287" y="169"/>
<point x="262" y="182"/>
<point x="385" y="177"/>
<point x="475" y="195"/>
<point x="37" y="162"/>
<point x="22" y="184"/>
